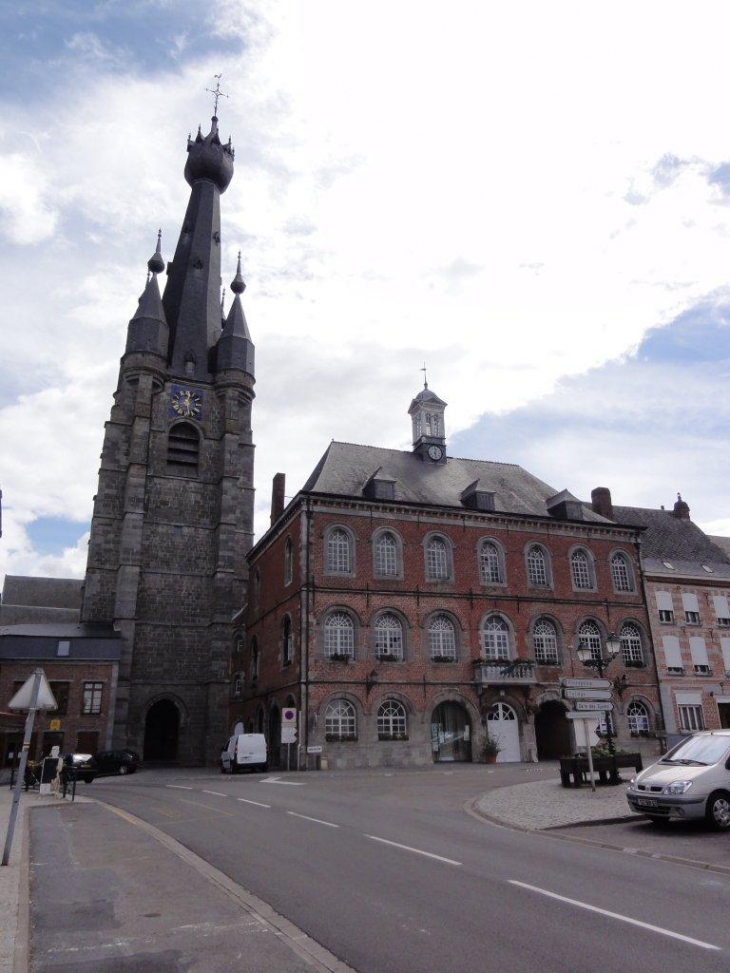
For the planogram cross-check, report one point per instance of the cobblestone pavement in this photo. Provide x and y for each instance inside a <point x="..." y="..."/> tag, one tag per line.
<point x="544" y="804"/>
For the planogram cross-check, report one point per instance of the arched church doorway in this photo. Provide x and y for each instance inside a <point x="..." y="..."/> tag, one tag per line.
<point x="450" y="733"/>
<point x="275" y="737"/>
<point x="503" y="726"/>
<point x="552" y="731"/>
<point x="161" y="730"/>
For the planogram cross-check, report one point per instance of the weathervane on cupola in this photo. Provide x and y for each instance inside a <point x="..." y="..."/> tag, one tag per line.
<point x="429" y="431"/>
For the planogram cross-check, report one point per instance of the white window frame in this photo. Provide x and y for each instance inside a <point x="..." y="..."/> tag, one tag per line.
<point x="632" y="649"/>
<point x="392" y="720"/>
<point x="496" y="639"/>
<point x="691" y="717"/>
<point x="386" y="564"/>
<point x="339" y="635"/>
<point x="442" y="641"/>
<point x="589" y="632"/>
<point x="340" y="721"/>
<point x="581" y="570"/>
<point x="389" y="640"/>
<point x="437" y="552"/>
<point x="621" y="574"/>
<point x="339" y="553"/>
<point x="538" y="567"/>
<point x="545" y="644"/>
<point x="491" y="568"/>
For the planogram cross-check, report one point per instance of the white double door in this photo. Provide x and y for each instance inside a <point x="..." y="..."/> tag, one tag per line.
<point x="503" y="726"/>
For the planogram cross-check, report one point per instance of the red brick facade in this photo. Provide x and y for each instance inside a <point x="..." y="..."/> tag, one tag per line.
<point x="442" y="708"/>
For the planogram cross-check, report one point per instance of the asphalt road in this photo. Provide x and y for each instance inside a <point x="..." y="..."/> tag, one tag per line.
<point x="391" y="873"/>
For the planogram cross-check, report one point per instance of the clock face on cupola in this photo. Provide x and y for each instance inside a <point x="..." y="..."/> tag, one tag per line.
<point x="186" y="402"/>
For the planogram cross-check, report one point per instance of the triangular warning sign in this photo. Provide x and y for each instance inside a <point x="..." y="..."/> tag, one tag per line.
<point x="22" y="699"/>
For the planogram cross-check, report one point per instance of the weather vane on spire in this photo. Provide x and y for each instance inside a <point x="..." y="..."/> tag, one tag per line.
<point x="217" y="93"/>
<point x="425" y="379"/>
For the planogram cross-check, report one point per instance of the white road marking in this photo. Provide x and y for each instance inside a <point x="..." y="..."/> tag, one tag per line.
<point x="278" y="780"/>
<point x="216" y="793"/>
<point x="617" y="915"/>
<point x="316" y="820"/>
<point x="257" y="803"/>
<point x="179" y="787"/>
<point x="416" y="851"/>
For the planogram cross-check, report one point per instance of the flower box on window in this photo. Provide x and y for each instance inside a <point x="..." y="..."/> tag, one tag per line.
<point x="443" y="658"/>
<point x="634" y="664"/>
<point x="335" y="738"/>
<point x="392" y="736"/>
<point x="339" y="657"/>
<point x="388" y="657"/>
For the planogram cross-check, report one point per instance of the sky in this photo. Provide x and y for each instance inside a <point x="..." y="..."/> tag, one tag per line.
<point x="531" y="198"/>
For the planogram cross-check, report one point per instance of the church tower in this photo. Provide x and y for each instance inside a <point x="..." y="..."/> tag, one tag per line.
<point x="173" y="515"/>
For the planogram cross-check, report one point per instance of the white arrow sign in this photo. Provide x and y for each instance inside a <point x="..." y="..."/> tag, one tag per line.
<point x="591" y="717"/>
<point x="586" y="683"/>
<point x="593" y="707"/>
<point x="586" y="694"/>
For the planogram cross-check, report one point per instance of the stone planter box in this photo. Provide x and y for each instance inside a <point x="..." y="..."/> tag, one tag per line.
<point x="574" y="770"/>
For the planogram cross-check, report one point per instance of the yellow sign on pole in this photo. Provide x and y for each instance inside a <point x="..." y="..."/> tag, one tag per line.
<point x="54" y="725"/>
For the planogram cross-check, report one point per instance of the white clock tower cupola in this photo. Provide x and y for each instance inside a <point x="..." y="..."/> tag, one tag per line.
<point x="429" y="431"/>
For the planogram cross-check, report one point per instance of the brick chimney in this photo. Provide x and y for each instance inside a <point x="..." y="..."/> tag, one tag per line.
<point x="681" y="509"/>
<point x="277" y="496"/>
<point x="601" y="502"/>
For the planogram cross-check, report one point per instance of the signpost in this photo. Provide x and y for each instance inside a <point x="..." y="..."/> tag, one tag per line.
<point x="34" y="694"/>
<point x="288" y="730"/>
<point x="592" y="698"/>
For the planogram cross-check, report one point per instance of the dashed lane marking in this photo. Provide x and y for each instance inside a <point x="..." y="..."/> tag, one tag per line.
<point x="616" y="915"/>
<point x="316" y="820"/>
<point x="257" y="803"/>
<point x="416" y="851"/>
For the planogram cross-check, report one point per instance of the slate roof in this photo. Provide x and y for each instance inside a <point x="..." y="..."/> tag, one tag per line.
<point x="42" y="592"/>
<point x="678" y="541"/>
<point x="39" y="642"/>
<point x="345" y="468"/>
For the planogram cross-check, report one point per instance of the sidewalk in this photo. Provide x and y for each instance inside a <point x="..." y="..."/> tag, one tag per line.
<point x="542" y="804"/>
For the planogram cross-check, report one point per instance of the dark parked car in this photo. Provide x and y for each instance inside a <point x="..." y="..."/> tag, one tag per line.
<point x="80" y="764"/>
<point x="115" y="762"/>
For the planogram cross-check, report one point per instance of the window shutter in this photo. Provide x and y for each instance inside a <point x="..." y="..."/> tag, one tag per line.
<point x="698" y="650"/>
<point x="672" y="652"/>
<point x="721" y="607"/>
<point x="689" y="602"/>
<point x="664" y="601"/>
<point x="725" y="646"/>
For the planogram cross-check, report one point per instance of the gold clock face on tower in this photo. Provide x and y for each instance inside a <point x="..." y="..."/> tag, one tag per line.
<point x="186" y="403"/>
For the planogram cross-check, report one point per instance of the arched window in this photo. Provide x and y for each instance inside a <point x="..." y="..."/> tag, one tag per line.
<point x="237" y="684"/>
<point x="287" y="640"/>
<point x="538" y="574"/>
<point x="638" y="717"/>
<point x="438" y="567"/>
<point x="288" y="561"/>
<point x="621" y="574"/>
<point x="340" y="721"/>
<point x="590" y="634"/>
<point x="392" y="721"/>
<point x="385" y="555"/>
<point x="442" y="638"/>
<point x="490" y="564"/>
<point x="496" y="638"/>
<point x="631" y="650"/>
<point x="580" y="566"/>
<point x="339" y="636"/>
<point x="339" y="551"/>
<point x="545" y="641"/>
<point x="389" y="637"/>
<point x="183" y="449"/>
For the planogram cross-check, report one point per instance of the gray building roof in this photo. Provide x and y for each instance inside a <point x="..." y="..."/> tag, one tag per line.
<point x="42" y="592"/>
<point x="40" y="642"/>
<point x="345" y="469"/>
<point x="676" y="541"/>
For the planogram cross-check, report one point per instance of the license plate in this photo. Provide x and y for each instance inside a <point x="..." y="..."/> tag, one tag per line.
<point x="646" y="802"/>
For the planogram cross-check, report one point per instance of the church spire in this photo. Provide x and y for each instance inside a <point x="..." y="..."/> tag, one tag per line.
<point x="192" y="295"/>
<point x="235" y="348"/>
<point x="148" y="330"/>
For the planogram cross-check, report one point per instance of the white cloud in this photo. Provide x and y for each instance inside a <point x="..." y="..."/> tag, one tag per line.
<point x="494" y="192"/>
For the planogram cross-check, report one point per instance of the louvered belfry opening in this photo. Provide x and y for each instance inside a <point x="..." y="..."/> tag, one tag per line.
<point x="183" y="448"/>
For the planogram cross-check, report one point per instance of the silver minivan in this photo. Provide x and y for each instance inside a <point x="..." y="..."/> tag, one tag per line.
<point x="690" y="782"/>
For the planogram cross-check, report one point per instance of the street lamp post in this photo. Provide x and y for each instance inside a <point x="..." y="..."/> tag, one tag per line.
<point x="600" y="663"/>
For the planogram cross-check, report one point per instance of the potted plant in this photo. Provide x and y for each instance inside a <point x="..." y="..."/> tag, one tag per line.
<point x="490" y="749"/>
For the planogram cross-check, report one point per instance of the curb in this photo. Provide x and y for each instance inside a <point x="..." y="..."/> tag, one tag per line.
<point x="472" y="807"/>
<point x="302" y="945"/>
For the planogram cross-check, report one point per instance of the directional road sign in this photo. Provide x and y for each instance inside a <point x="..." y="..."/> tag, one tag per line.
<point x="593" y="707"/>
<point x="582" y="716"/>
<point x="585" y="683"/>
<point x="586" y="694"/>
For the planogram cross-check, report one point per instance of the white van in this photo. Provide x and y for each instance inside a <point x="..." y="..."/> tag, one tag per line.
<point x="690" y="782"/>
<point x="244" y="750"/>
